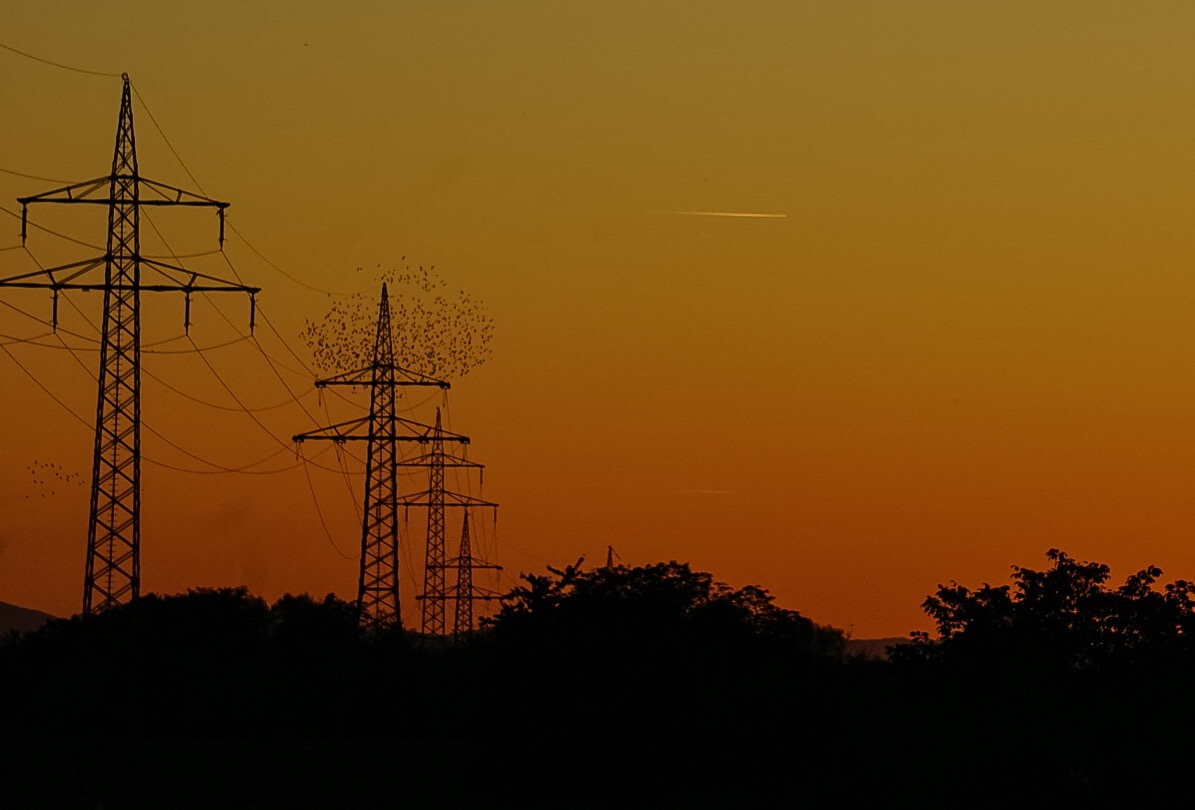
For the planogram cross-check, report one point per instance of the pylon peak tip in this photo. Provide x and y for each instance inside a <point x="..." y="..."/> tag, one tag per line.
<point x="124" y="77"/>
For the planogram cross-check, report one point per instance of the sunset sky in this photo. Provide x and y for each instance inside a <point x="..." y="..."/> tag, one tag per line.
<point x="962" y="337"/>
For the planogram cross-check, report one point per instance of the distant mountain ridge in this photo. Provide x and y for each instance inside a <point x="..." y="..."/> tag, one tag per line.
<point x="23" y="620"/>
<point x="873" y="647"/>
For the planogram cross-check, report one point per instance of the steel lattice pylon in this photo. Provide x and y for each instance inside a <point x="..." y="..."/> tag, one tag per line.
<point x="114" y="529"/>
<point x="377" y="587"/>
<point x="465" y="592"/>
<point x="377" y="584"/>
<point x="436" y="499"/>
<point x="113" y="571"/>
<point x="433" y="571"/>
<point x="464" y="583"/>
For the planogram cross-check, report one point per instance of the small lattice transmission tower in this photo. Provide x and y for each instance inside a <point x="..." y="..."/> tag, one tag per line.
<point x="466" y="592"/>
<point x="437" y="499"/>
<point x="113" y="572"/>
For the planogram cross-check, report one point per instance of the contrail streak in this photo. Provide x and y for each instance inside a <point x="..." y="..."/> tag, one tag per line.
<point x="740" y="214"/>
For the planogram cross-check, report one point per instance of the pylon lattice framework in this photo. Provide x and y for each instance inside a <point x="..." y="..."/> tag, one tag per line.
<point x="382" y="429"/>
<point x="113" y="570"/>
<point x="466" y="593"/>
<point x="436" y="499"/>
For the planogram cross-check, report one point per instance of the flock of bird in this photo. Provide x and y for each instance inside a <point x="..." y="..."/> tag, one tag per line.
<point x="47" y="475"/>
<point x="436" y="331"/>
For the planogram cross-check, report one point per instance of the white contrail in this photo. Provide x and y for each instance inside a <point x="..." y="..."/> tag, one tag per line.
<point x="739" y="214"/>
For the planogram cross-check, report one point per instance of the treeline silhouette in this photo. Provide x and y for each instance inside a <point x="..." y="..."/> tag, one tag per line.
<point x="619" y="686"/>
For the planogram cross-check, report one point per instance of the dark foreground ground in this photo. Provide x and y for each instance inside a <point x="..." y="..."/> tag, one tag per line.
<point x="621" y="688"/>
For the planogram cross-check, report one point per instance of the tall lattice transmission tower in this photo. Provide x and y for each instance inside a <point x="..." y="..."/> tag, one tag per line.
<point x="382" y="429"/>
<point x="113" y="572"/>
<point x="437" y="499"/>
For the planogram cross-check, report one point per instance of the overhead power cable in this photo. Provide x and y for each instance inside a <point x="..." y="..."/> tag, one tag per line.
<point x="52" y="63"/>
<point x="218" y="468"/>
<point x="247" y="411"/>
<point x="34" y="177"/>
<point x="320" y="512"/>
<point x="15" y="215"/>
<point x="10" y="340"/>
<point x="287" y="275"/>
<point x="169" y="145"/>
<point x="44" y="322"/>
<point x="214" y="405"/>
<point x="49" y="393"/>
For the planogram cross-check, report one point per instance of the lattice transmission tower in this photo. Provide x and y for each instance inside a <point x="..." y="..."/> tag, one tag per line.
<point x="437" y="499"/>
<point x="113" y="572"/>
<point x="466" y="593"/>
<point x="382" y="429"/>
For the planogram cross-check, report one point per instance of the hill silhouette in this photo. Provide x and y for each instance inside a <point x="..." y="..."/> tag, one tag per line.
<point x="21" y="619"/>
<point x="873" y="647"/>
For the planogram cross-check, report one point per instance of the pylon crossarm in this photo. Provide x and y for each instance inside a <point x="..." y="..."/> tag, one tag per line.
<point x="336" y="433"/>
<point x="451" y="500"/>
<point x="48" y="280"/>
<point x="451" y="596"/>
<point x="426" y="433"/>
<point x="357" y="430"/>
<point x="477" y="596"/>
<point x="161" y="194"/>
<point x="192" y="280"/>
<point x="346" y="432"/>
<point x="85" y="192"/>
<point x="172" y="195"/>
<point x="425" y="459"/>
<point x="365" y="376"/>
<point x="472" y="563"/>
<point x="74" y="193"/>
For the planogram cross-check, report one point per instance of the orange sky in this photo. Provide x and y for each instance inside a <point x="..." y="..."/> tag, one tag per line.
<point x="967" y="340"/>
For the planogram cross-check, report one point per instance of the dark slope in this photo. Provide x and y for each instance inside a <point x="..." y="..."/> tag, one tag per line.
<point x="21" y="619"/>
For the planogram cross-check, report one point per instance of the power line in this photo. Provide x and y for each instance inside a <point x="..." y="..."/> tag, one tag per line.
<point x="219" y="468"/>
<point x="33" y="176"/>
<point x="318" y="511"/>
<point x="10" y="340"/>
<point x="71" y="68"/>
<point x="169" y="145"/>
<point x="245" y="409"/>
<point x="231" y="226"/>
<point x="43" y="322"/>
<point x="15" y="215"/>
<point x="49" y="393"/>
<point x="287" y="275"/>
<point x="214" y="405"/>
<point x="235" y="398"/>
<point x="224" y="345"/>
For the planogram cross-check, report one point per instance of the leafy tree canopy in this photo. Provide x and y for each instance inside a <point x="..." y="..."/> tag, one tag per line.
<point x="1066" y="615"/>
<point x="657" y="604"/>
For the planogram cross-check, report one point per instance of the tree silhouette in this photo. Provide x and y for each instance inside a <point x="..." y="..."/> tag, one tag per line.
<point x="1065" y="616"/>
<point x="655" y="605"/>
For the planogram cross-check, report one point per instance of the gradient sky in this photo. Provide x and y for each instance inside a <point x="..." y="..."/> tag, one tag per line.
<point x="967" y="340"/>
